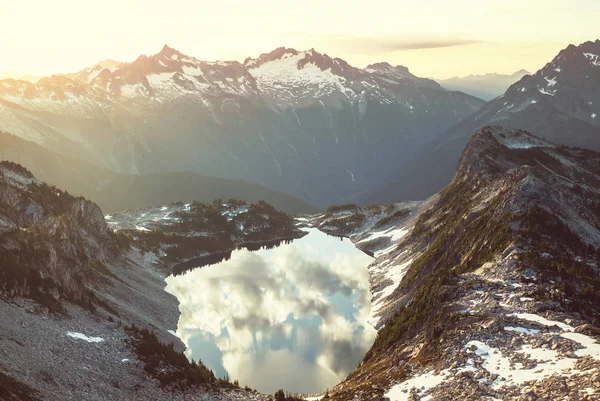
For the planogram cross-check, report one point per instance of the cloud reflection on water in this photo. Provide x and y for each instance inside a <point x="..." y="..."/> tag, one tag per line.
<point x="293" y="317"/>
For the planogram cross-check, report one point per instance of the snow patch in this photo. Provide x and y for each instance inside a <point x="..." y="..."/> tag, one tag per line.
<point x="550" y="81"/>
<point x="522" y="330"/>
<point x="541" y="320"/>
<point x="394" y="234"/>
<point x="594" y="58"/>
<point x="422" y="384"/>
<point x="81" y="336"/>
<point x="157" y="80"/>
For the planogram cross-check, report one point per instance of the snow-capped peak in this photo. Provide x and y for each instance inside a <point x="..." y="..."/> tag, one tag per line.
<point x="292" y="78"/>
<point x="283" y="78"/>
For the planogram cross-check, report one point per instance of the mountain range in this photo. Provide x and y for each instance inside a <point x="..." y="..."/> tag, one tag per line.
<point x="299" y="122"/>
<point x="486" y="86"/>
<point x="560" y="102"/>
<point x="18" y="76"/>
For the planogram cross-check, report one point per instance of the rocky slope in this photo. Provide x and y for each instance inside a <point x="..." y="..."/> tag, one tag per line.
<point x="560" y="102"/>
<point x="83" y="314"/>
<point x="300" y="122"/>
<point x="489" y="289"/>
<point x="52" y="243"/>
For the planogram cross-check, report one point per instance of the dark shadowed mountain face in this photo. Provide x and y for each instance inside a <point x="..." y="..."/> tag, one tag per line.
<point x="113" y="191"/>
<point x="561" y="102"/>
<point x="486" y="87"/>
<point x="299" y="122"/>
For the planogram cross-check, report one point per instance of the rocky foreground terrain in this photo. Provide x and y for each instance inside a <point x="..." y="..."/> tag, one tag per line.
<point x="83" y="311"/>
<point x="488" y="290"/>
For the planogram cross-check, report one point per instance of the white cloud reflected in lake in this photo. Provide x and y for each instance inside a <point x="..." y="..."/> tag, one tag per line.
<point x="292" y="317"/>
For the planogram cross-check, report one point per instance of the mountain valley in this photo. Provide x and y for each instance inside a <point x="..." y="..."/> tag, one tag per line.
<point x="478" y="290"/>
<point x="292" y="225"/>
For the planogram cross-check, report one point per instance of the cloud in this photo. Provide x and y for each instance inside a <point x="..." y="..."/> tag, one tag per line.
<point x="304" y="306"/>
<point x="397" y="45"/>
<point x="379" y="44"/>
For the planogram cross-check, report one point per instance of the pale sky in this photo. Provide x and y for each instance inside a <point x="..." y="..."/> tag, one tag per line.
<point x="434" y="38"/>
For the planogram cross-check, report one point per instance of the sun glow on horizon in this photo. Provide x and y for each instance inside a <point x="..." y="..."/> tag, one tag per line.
<point x="437" y="39"/>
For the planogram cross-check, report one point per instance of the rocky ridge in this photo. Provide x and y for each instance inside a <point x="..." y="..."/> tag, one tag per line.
<point x="493" y="280"/>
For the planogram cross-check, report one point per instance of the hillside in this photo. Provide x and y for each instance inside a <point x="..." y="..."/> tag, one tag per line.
<point x="83" y="311"/>
<point x="489" y="289"/>
<point x="115" y="192"/>
<point x="177" y="235"/>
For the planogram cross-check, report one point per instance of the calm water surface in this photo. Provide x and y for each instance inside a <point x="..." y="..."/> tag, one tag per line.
<point x="292" y="317"/>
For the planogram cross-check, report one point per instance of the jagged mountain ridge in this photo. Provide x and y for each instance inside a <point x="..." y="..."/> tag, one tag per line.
<point x="488" y="284"/>
<point x="560" y="102"/>
<point x="280" y="120"/>
<point x="88" y="74"/>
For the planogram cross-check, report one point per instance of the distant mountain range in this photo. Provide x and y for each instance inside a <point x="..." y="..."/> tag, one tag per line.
<point x="486" y="87"/>
<point x="22" y="77"/>
<point x="299" y="122"/>
<point x="560" y="102"/>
